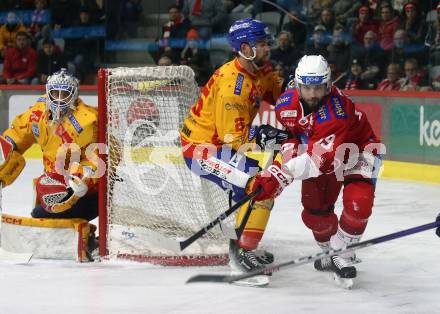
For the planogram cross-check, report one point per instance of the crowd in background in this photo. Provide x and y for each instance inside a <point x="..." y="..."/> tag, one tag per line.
<point x="384" y="45"/>
<point x="370" y="44"/>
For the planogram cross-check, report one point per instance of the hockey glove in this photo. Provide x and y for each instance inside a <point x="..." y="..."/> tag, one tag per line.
<point x="273" y="180"/>
<point x="11" y="162"/>
<point x="268" y="137"/>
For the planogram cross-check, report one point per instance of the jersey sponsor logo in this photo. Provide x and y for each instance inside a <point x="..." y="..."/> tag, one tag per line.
<point x="75" y="123"/>
<point x="323" y="114"/>
<point x="283" y="101"/>
<point x="35" y="116"/>
<point x="239" y="84"/>
<point x="252" y="132"/>
<point x="338" y="107"/>
<point x="289" y="114"/>
<point x="35" y="130"/>
<point x="214" y="168"/>
<point x="312" y="80"/>
<point x="235" y="106"/>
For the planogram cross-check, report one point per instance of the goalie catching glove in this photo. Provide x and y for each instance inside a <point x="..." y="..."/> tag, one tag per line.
<point x="11" y="162"/>
<point x="273" y="180"/>
<point x="57" y="193"/>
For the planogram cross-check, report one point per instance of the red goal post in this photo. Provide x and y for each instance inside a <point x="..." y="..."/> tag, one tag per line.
<point x="148" y="195"/>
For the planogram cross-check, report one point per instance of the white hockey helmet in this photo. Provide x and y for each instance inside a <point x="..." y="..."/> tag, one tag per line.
<point x="60" y="103"/>
<point x="313" y="70"/>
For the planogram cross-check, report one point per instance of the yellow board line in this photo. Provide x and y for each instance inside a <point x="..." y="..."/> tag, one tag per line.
<point x="390" y="169"/>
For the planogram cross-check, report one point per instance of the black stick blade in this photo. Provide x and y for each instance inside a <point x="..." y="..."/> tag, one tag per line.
<point x="208" y="278"/>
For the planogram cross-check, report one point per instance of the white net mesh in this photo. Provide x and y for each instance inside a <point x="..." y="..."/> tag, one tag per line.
<point x="151" y="195"/>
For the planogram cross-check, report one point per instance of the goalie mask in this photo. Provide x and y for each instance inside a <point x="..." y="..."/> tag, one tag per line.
<point x="62" y="93"/>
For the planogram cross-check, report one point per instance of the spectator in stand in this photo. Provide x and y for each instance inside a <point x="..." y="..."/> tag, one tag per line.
<point x="392" y="82"/>
<point x="40" y="19"/>
<point x="9" y="31"/>
<point x="316" y="8"/>
<point x="97" y="10"/>
<point x="195" y="56"/>
<point x="174" y="33"/>
<point x="345" y="9"/>
<point x="20" y="61"/>
<point x="204" y="15"/>
<point x="286" y="53"/>
<point x="327" y="19"/>
<point x="281" y="71"/>
<point x="297" y="29"/>
<point x="354" y="78"/>
<point x="363" y="24"/>
<point x="433" y="40"/>
<point x="130" y="16"/>
<point x="339" y="49"/>
<point x="82" y="51"/>
<point x="50" y="60"/>
<point x="403" y="49"/>
<point x="414" y="24"/>
<point x="415" y="79"/>
<point x="388" y="25"/>
<point x="164" y="61"/>
<point x="372" y="57"/>
<point x="319" y="42"/>
<point x="64" y="12"/>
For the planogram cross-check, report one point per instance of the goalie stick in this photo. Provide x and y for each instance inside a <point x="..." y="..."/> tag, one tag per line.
<point x="314" y="257"/>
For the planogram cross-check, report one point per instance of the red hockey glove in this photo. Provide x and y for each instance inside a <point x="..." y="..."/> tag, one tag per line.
<point x="273" y="180"/>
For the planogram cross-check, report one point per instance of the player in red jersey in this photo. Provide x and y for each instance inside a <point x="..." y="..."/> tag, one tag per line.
<point x="333" y="146"/>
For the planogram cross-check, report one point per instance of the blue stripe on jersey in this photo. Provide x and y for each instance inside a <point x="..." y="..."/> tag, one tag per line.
<point x="41" y="99"/>
<point x="239" y="84"/>
<point x="323" y="114"/>
<point x="338" y="107"/>
<point x="284" y="100"/>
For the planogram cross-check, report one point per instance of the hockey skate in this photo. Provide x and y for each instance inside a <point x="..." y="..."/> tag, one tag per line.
<point x="343" y="273"/>
<point x="242" y="260"/>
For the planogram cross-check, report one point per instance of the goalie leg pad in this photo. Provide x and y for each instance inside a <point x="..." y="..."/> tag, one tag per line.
<point x="358" y="198"/>
<point x="65" y="239"/>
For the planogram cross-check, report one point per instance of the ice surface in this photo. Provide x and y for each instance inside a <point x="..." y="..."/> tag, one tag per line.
<point x="400" y="276"/>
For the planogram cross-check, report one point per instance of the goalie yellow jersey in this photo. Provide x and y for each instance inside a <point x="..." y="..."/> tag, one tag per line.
<point x="228" y="104"/>
<point x="79" y="127"/>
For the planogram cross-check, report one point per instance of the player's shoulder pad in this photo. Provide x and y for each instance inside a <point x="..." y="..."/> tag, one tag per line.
<point x="286" y="98"/>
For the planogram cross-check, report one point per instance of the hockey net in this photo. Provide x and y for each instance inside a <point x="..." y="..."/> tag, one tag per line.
<point x="148" y="195"/>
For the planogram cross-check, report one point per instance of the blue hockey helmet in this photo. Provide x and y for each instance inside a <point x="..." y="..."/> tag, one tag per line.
<point x="247" y="31"/>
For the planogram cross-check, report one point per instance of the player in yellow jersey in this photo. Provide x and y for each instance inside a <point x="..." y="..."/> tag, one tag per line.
<point x="219" y="125"/>
<point x="64" y="127"/>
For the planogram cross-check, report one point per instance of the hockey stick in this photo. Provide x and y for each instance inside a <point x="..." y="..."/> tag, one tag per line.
<point x="314" y="257"/>
<point x="181" y="245"/>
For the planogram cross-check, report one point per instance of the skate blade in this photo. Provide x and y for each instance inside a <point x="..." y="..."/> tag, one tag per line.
<point x="354" y="261"/>
<point x="256" y="281"/>
<point x="346" y="283"/>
